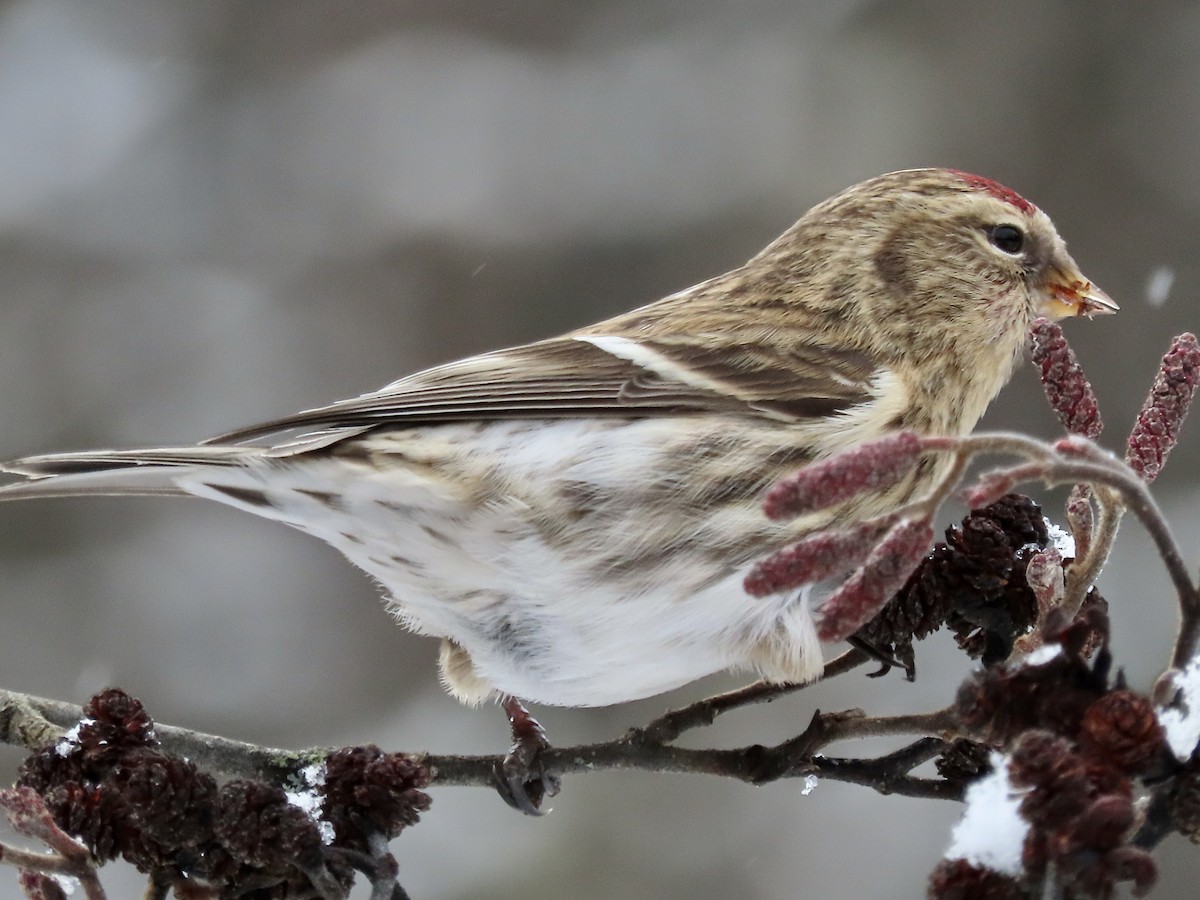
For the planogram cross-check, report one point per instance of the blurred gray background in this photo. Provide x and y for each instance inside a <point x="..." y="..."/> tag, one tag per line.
<point x="217" y="212"/>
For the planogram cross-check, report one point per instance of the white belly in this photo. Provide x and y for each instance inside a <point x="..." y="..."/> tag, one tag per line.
<point x="577" y="562"/>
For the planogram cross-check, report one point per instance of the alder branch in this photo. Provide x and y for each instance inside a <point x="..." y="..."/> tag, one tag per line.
<point x="889" y="774"/>
<point x="756" y="764"/>
<point x="35" y="722"/>
<point x="642" y="749"/>
<point x="669" y="726"/>
<point x="1078" y="459"/>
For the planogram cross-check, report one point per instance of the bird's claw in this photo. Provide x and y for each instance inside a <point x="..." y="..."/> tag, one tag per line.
<point x="521" y="778"/>
<point x="886" y="661"/>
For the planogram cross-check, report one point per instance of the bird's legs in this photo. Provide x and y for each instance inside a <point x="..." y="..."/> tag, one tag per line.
<point x="520" y="778"/>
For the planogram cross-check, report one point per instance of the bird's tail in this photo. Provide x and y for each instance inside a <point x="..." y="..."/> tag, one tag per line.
<point x="114" y="472"/>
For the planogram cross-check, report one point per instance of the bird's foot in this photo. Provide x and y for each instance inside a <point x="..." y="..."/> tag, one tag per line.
<point x="521" y="778"/>
<point x="887" y="662"/>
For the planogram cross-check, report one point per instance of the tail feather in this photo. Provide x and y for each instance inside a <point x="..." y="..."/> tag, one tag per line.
<point x="153" y="472"/>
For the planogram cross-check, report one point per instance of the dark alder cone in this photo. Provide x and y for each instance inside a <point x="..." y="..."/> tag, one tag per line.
<point x="1001" y="702"/>
<point x="46" y="768"/>
<point x="1092" y="856"/>
<point x="1058" y="788"/>
<point x="259" y="827"/>
<point x="366" y="785"/>
<point x="1106" y="822"/>
<point x="113" y="724"/>
<point x="1086" y="870"/>
<point x="95" y="814"/>
<point x="974" y="582"/>
<point x="1059" y="776"/>
<point x="119" y="723"/>
<point x="1129" y="863"/>
<point x="171" y="803"/>
<point x="1080" y="811"/>
<point x="957" y="879"/>
<point x="1185" y="802"/>
<point x="965" y="761"/>
<point x="1122" y="728"/>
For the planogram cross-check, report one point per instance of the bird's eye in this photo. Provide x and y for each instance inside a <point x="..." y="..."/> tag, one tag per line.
<point x="1008" y="238"/>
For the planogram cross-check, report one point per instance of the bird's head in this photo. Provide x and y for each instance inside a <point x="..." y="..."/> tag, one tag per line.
<point x="943" y="252"/>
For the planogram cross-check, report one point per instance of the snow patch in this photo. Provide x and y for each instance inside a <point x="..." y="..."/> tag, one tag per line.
<point x="1181" y="721"/>
<point x="1043" y="654"/>
<point x="991" y="832"/>
<point x="1061" y="538"/>
<point x="68" y="742"/>
<point x="306" y="792"/>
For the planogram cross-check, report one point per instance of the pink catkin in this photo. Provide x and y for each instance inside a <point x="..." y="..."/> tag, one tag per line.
<point x="886" y="569"/>
<point x="1066" y="387"/>
<point x="39" y="887"/>
<point x="1157" y="428"/>
<point x="815" y="558"/>
<point x="867" y="467"/>
<point x="1081" y="517"/>
<point x="1044" y="574"/>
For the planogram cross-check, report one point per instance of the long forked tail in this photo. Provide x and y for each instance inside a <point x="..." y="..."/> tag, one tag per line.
<point x="114" y="472"/>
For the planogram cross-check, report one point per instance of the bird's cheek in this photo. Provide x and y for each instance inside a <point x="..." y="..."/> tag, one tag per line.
<point x="1004" y="313"/>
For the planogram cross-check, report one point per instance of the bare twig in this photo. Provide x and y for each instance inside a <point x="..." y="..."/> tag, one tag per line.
<point x="755" y="764"/>
<point x="645" y="749"/>
<point x="672" y="724"/>
<point x="889" y="774"/>
<point x="33" y="722"/>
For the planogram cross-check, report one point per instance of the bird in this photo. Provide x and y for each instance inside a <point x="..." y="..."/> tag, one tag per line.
<point x="573" y="518"/>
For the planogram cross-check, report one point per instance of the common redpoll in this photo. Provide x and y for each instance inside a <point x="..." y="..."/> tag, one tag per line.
<point x="574" y="517"/>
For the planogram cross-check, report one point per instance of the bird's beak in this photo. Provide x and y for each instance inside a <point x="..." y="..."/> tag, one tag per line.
<point x="1068" y="293"/>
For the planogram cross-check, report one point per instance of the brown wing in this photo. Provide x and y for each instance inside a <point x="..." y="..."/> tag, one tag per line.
<point x="585" y="375"/>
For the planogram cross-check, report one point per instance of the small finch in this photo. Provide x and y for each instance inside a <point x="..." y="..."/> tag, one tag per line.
<point x="574" y="518"/>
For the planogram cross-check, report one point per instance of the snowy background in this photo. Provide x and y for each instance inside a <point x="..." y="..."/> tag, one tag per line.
<point x="218" y="212"/>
